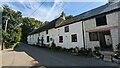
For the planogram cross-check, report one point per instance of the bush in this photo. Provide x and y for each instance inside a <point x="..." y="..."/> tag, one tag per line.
<point x="97" y="48"/>
<point x="7" y="45"/>
<point x="72" y="50"/>
<point x="117" y="53"/>
<point x="53" y="45"/>
<point x="118" y="46"/>
<point x="64" y="49"/>
<point x="58" y="47"/>
<point x="85" y="52"/>
<point x="97" y="51"/>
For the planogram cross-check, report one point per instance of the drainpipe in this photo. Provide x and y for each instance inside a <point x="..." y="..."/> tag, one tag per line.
<point x="83" y="35"/>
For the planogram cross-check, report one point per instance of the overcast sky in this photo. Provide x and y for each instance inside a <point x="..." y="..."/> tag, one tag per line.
<point x="50" y="10"/>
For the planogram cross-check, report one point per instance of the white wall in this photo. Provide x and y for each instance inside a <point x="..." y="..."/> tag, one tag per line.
<point x="51" y="34"/>
<point x="112" y="20"/>
<point x="90" y="24"/>
<point x="75" y="28"/>
<point x="119" y="25"/>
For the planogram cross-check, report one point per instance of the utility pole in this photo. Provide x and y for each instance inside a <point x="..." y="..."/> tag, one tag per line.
<point x="6" y="23"/>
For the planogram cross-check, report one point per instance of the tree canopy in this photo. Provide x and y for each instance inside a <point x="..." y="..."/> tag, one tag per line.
<point x="11" y="19"/>
<point x="29" y="24"/>
<point x="17" y="27"/>
<point x="68" y="17"/>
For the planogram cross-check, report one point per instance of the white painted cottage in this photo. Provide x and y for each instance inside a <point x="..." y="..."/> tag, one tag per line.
<point x="97" y="27"/>
<point x="65" y="36"/>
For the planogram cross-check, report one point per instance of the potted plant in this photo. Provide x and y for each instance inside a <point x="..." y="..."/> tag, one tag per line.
<point x="97" y="53"/>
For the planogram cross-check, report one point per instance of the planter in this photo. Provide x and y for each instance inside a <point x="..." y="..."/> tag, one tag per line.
<point x="115" y="58"/>
<point x="98" y="55"/>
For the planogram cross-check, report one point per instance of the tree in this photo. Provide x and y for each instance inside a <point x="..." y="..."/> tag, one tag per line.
<point x="29" y="24"/>
<point x="0" y="24"/>
<point x="46" y="22"/>
<point x="68" y="17"/>
<point x="13" y="33"/>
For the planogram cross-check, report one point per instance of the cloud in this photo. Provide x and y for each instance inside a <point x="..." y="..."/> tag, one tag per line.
<point x="55" y="10"/>
<point x="44" y="13"/>
<point x="48" y="11"/>
<point x="53" y="0"/>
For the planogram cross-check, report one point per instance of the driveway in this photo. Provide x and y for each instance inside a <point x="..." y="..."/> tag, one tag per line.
<point x="51" y="58"/>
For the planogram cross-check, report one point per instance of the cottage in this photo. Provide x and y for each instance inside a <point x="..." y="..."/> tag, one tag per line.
<point x="97" y="27"/>
<point x="64" y="35"/>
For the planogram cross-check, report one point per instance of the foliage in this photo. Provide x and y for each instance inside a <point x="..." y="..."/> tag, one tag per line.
<point x="97" y="48"/>
<point x="29" y="24"/>
<point x="118" y="46"/>
<point x="53" y="46"/>
<point x="46" y="22"/>
<point x="13" y="32"/>
<point x="117" y="53"/>
<point x="58" y="47"/>
<point x="97" y="51"/>
<point x="68" y="17"/>
<point x="85" y="52"/>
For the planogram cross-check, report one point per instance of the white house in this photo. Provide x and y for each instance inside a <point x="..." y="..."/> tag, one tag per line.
<point x="97" y="27"/>
<point x="65" y="36"/>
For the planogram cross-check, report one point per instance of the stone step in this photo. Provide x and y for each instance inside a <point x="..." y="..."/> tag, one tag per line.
<point x="107" y="59"/>
<point x="107" y="55"/>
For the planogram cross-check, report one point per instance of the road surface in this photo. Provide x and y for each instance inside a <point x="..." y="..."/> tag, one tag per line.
<point x="51" y="58"/>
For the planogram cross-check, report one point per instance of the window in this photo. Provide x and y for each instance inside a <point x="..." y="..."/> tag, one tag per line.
<point x="48" y="39"/>
<point x="101" y="21"/>
<point x="46" y="31"/>
<point x="93" y="36"/>
<point x="60" y="39"/>
<point x="66" y="28"/>
<point x="74" y="37"/>
<point x="39" y="34"/>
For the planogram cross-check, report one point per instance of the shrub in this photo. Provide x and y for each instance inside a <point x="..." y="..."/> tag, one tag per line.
<point x="97" y="48"/>
<point x="53" y="45"/>
<point x="118" y="46"/>
<point x="97" y="51"/>
<point x="71" y="50"/>
<point x="58" y="47"/>
<point x="64" y="49"/>
<point x="117" y="53"/>
<point x="85" y="52"/>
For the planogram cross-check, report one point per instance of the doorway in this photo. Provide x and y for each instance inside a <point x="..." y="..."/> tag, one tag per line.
<point x="42" y="41"/>
<point x="105" y="41"/>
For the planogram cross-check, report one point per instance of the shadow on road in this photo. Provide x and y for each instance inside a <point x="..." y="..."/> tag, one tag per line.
<point x="50" y="58"/>
<point x="23" y="48"/>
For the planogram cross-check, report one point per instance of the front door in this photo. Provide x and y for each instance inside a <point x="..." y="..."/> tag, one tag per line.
<point x="105" y="41"/>
<point x="42" y="40"/>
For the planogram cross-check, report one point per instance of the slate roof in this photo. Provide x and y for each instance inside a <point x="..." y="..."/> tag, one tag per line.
<point x="109" y="7"/>
<point x="45" y="27"/>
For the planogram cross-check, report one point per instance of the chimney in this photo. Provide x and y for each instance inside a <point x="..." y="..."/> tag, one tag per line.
<point x="113" y="1"/>
<point x="62" y="15"/>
